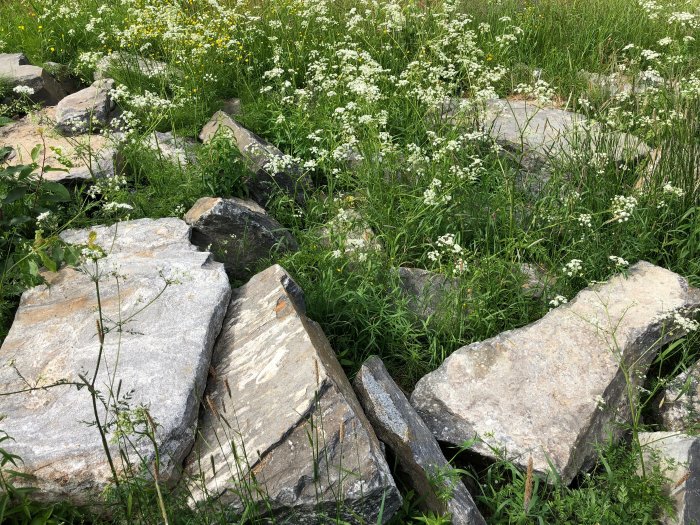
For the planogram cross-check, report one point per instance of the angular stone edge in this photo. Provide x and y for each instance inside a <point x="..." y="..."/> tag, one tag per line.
<point x="601" y="422"/>
<point x="417" y="450"/>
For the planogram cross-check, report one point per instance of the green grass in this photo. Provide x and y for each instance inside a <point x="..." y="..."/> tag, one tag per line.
<point x="319" y="80"/>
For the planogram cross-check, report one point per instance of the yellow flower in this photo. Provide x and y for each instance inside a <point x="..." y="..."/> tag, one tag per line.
<point x="21" y="28"/>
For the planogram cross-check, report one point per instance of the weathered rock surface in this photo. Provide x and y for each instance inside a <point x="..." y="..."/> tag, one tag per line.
<point x="398" y="425"/>
<point x="425" y="290"/>
<point x="553" y="388"/>
<point x="537" y="135"/>
<point x="273" y="172"/>
<point x="15" y="69"/>
<point x="679" y="403"/>
<point x="121" y="60"/>
<point x="177" y="150"/>
<point x="86" y="110"/>
<point x="678" y="455"/>
<point x="537" y="280"/>
<point x="158" y="356"/>
<point x="232" y="107"/>
<point x="238" y="232"/>
<point x="88" y="155"/>
<point x="277" y="384"/>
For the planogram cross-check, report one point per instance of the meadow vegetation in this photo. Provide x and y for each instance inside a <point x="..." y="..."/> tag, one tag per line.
<point x="351" y="90"/>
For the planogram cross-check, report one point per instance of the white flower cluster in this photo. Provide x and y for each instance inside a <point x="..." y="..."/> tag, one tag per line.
<point x="585" y="220"/>
<point x="541" y="91"/>
<point x="669" y="188"/>
<point x="684" y="323"/>
<point x="432" y="197"/>
<point x="558" y="300"/>
<point x="619" y="262"/>
<point x="573" y="268"/>
<point x="116" y="206"/>
<point x="622" y="207"/>
<point x="446" y="246"/>
<point x="23" y="90"/>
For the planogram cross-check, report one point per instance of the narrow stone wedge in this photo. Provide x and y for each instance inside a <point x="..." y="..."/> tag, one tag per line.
<point x="399" y="426"/>
<point x="279" y="408"/>
<point x="552" y="389"/>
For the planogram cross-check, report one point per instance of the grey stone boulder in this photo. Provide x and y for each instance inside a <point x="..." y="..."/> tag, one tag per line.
<point x="272" y="171"/>
<point x="538" y="136"/>
<point x="160" y="322"/>
<point x="87" y="110"/>
<point x="399" y="426"/>
<point x="178" y="150"/>
<point x="554" y="388"/>
<point x="279" y="407"/>
<point x="83" y="157"/>
<point x="130" y="63"/>
<point x="16" y="70"/>
<point x="679" y="404"/>
<point x="678" y="456"/>
<point x="238" y="232"/>
<point x="425" y="291"/>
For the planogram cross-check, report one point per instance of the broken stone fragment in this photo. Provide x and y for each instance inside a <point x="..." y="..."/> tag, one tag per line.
<point x="679" y="403"/>
<point x="399" y="426"/>
<point x="16" y="70"/>
<point x="272" y="171"/>
<point x="84" y="157"/>
<point x="678" y="456"/>
<point x="425" y="290"/>
<point x="279" y="407"/>
<point x="86" y="110"/>
<point x="159" y="323"/>
<point x="537" y="281"/>
<point x="177" y="150"/>
<point x="571" y="364"/>
<point x="238" y="232"/>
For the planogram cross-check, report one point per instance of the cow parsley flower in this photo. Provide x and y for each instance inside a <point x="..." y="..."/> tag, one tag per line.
<point x="622" y="207"/>
<point x="573" y="268"/>
<point x="24" y="90"/>
<point x="619" y="262"/>
<point x="558" y="300"/>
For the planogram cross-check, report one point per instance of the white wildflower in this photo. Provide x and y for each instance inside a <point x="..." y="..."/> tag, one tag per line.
<point x="23" y="90"/>
<point x="618" y="261"/>
<point x="622" y="207"/>
<point x="573" y="268"/>
<point x="558" y="301"/>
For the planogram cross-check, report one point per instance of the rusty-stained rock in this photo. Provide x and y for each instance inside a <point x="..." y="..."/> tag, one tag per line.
<point x="551" y="389"/>
<point x="88" y="155"/>
<point x="280" y="397"/>
<point x="158" y="357"/>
